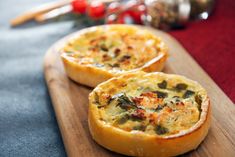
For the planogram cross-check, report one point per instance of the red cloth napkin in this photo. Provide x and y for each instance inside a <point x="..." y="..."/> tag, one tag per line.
<point x="212" y="44"/>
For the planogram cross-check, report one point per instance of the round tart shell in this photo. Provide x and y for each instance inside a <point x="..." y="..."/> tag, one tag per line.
<point x="92" y="76"/>
<point x="137" y="143"/>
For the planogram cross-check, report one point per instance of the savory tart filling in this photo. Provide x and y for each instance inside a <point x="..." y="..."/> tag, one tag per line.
<point x="150" y="103"/>
<point x="114" y="48"/>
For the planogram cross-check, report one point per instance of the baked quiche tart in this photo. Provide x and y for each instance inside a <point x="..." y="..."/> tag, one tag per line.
<point x="96" y="54"/>
<point x="149" y="114"/>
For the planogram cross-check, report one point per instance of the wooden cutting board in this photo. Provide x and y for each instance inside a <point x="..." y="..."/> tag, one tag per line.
<point x="70" y="102"/>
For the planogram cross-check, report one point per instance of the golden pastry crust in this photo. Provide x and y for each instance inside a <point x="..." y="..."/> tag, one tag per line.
<point x="96" y="54"/>
<point x="168" y="115"/>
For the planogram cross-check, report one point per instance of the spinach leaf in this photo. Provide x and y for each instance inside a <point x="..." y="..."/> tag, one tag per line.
<point x="123" y="119"/>
<point x="160" y="130"/>
<point x="161" y="94"/>
<point x="162" y="85"/>
<point x="125" y="102"/>
<point x="188" y="94"/>
<point x="103" y="47"/>
<point x="181" y="86"/>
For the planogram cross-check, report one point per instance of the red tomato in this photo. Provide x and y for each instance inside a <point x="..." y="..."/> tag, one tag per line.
<point x="121" y="19"/>
<point x="113" y="8"/>
<point x="96" y="10"/>
<point x="79" y="6"/>
<point x="136" y="12"/>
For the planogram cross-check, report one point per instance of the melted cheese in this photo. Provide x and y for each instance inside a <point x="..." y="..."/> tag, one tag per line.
<point x="153" y="103"/>
<point x="114" y="48"/>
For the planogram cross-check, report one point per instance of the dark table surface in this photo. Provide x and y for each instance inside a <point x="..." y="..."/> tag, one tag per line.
<point x="28" y="125"/>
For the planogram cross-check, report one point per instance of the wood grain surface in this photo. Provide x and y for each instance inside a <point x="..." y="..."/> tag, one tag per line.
<point x="70" y="102"/>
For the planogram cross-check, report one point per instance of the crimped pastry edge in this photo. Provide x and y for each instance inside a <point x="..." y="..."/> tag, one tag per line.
<point x="140" y="144"/>
<point x="92" y="76"/>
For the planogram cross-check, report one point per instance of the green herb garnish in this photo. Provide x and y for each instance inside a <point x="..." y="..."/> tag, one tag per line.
<point x="123" y="119"/>
<point x="198" y="100"/>
<point x="161" y="94"/>
<point x="160" y="130"/>
<point x="162" y="85"/>
<point x="160" y="107"/>
<point x="188" y="94"/>
<point x="125" y="57"/>
<point x="124" y="101"/>
<point x="139" y="127"/>
<point x="103" y="47"/>
<point x="114" y="65"/>
<point x="181" y="86"/>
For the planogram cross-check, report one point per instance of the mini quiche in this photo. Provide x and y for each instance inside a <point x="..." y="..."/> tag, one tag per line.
<point x="98" y="53"/>
<point x="149" y="114"/>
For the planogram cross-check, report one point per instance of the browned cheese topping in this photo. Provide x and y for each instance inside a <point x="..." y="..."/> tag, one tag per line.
<point x="162" y="106"/>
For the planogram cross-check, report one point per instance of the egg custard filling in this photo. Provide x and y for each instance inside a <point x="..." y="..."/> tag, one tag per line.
<point x="159" y="105"/>
<point x="114" y="48"/>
